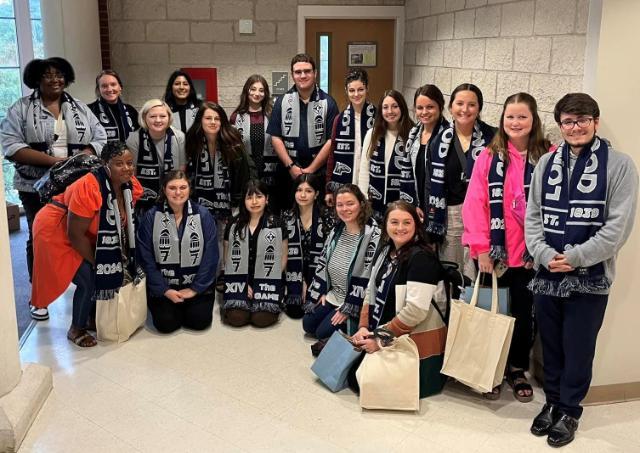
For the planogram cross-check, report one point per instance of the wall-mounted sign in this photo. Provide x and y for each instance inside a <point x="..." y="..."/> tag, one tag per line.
<point x="362" y="54"/>
<point x="279" y="83"/>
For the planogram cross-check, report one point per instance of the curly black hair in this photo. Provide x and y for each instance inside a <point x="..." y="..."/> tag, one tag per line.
<point x="113" y="149"/>
<point x="35" y="69"/>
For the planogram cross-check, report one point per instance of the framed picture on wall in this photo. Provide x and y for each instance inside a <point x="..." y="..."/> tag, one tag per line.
<point x="362" y="54"/>
<point x="206" y="82"/>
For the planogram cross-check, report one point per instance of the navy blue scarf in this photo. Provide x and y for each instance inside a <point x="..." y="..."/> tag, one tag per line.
<point x="497" y="172"/>
<point x="480" y="139"/>
<point x="393" y="182"/>
<point x="573" y="211"/>
<point x="212" y="182"/>
<point x="110" y="124"/>
<point x="295" y="264"/>
<point x="111" y="239"/>
<point x="178" y="259"/>
<point x="345" y="146"/>
<point x="148" y="169"/>
<point x="383" y="274"/>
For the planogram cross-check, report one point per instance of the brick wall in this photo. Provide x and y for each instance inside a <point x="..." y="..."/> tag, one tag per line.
<point x="151" y="38"/>
<point x="503" y="46"/>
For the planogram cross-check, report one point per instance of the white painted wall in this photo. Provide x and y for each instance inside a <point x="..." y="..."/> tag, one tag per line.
<point x="617" y="91"/>
<point x="72" y="31"/>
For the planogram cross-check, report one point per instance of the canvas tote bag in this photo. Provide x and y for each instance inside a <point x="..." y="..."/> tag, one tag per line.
<point x="118" y="318"/>
<point x="389" y="378"/>
<point x="478" y="342"/>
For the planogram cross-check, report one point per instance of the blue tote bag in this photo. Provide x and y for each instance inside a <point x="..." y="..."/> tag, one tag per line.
<point x="335" y="360"/>
<point x="484" y="296"/>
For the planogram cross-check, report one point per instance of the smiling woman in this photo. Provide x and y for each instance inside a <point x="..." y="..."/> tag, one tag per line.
<point x="177" y="247"/>
<point x="44" y="128"/>
<point x="384" y="156"/>
<point x="157" y="148"/>
<point x="75" y="237"/>
<point x="117" y="118"/>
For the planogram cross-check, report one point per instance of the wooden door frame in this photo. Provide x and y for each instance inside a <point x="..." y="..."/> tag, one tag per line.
<point x="359" y="12"/>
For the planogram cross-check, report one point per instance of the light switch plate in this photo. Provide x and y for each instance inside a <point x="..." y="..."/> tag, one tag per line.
<point x="245" y="26"/>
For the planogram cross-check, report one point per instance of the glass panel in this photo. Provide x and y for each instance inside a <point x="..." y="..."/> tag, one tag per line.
<point x="10" y="194"/>
<point x="8" y="43"/>
<point x="6" y="8"/>
<point x="324" y="63"/>
<point x="10" y="88"/>
<point x="38" y="40"/>
<point x="10" y="91"/>
<point x="34" y="9"/>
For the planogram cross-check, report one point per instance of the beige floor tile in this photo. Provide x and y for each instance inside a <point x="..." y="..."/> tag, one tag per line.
<point x="252" y="390"/>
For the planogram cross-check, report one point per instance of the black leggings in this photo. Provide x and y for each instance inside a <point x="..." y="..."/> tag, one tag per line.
<point x="195" y="313"/>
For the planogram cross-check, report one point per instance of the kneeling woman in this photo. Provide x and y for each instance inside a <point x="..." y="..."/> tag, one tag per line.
<point x="342" y="273"/>
<point x="76" y="238"/>
<point x="255" y="251"/>
<point x="308" y="224"/>
<point x="401" y="293"/>
<point x="178" y="249"/>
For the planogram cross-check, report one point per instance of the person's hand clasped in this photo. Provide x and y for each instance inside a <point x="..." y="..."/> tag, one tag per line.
<point x="174" y="296"/>
<point x="187" y="293"/>
<point x="360" y="335"/>
<point x="295" y="171"/>
<point x="559" y="263"/>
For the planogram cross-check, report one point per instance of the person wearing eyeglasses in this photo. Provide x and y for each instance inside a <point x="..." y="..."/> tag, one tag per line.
<point x="43" y="128"/>
<point x="581" y="209"/>
<point x="300" y="127"/>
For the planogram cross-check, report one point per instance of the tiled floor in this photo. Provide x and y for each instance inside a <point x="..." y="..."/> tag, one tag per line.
<point x="251" y="390"/>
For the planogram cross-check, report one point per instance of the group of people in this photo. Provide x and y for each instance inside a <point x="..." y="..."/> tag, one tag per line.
<point x="345" y="220"/>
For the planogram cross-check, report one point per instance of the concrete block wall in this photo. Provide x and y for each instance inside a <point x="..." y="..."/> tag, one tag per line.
<point x="151" y="38"/>
<point x="503" y="46"/>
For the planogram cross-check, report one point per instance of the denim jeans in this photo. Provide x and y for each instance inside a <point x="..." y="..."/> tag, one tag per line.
<point x="83" y="300"/>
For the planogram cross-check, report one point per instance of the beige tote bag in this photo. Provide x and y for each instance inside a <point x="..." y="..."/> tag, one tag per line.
<point x="118" y="318"/>
<point x="478" y="342"/>
<point x="389" y="378"/>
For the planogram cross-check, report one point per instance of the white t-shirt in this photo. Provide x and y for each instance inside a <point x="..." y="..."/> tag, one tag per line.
<point x="389" y="142"/>
<point x="59" y="147"/>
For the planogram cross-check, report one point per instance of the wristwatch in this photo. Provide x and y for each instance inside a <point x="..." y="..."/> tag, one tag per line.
<point x="292" y="164"/>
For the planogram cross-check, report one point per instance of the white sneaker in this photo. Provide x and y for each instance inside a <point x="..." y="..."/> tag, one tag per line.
<point x="39" y="314"/>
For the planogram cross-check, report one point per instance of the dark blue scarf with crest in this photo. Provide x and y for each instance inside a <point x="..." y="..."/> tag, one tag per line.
<point x="573" y="210"/>
<point x="480" y="139"/>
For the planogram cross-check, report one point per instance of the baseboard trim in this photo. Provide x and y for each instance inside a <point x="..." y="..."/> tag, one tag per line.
<point x="612" y="393"/>
<point x="599" y="394"/>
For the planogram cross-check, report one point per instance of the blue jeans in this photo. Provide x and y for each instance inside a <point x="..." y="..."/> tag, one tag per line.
<point x="318" y="322"/>
<point x="83" y="301"/>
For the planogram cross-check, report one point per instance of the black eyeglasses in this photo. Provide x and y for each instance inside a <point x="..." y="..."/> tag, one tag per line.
<point x="53" y="76"/>
<point x="567" y="125"/>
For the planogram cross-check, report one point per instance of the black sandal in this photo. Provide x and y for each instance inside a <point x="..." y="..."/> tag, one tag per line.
<point x="493" y="394"/>
<point x="519" y="383"/>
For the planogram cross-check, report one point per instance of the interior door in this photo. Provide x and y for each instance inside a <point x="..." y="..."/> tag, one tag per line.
<point x="371" y="35"/>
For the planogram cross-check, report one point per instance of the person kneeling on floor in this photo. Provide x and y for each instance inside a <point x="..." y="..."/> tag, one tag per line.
<point x="178" y="250"/>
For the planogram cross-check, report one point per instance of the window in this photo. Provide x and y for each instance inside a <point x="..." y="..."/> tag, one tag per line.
<point x="324" y="47"/>
<point x="20" y="40"/>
